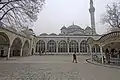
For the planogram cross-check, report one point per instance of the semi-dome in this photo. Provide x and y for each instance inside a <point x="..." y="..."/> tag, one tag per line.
<point x="63" y="27"/>
<point x="87" y="28"/>
<point x="44" y="34"/>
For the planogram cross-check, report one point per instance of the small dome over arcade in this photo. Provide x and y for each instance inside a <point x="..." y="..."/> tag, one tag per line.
<point x="31" y="32"/>
<point x="53" y="34"/>
<point x="44" y="34"/>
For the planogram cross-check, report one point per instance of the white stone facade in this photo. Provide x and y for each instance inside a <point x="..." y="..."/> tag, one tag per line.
<point x="70" y="40"/>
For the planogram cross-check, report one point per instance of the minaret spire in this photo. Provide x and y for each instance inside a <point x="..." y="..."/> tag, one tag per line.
<point x="92" y="10"/>
<point x="73" y="22"/>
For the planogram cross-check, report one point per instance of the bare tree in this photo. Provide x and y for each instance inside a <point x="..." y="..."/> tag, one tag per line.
<point x="112" y="15"/>
<point x="19" y="13"/>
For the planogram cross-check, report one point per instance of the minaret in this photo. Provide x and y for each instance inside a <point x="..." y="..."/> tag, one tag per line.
<point x="92" y="10"/>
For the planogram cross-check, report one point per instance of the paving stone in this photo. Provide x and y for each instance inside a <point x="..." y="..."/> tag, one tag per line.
<point x="55" y="68"/>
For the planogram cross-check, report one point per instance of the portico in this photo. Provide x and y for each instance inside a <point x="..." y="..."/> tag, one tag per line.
<point x="108" y="41"/>
<point x="13" y="43"/>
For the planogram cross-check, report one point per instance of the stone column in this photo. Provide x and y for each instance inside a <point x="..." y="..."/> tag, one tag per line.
<point x="57" y="48"/>
<point x="79" y="47"/>
<point x="95" y="49"/>
<point x="101" y="54"/>
<point x="8" y="55"/>
<point x="68" y="48"/>
<point x="91" y="52"/>
<point x="21" y="51"/>
<point x="88" y="50"/>
<point x="45" y="47"/>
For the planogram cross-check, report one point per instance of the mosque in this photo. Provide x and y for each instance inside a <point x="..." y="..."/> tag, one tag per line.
<point x="71" y="39"/>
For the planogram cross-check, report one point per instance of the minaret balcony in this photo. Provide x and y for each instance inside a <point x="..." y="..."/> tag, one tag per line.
<point x="92" y="9"/>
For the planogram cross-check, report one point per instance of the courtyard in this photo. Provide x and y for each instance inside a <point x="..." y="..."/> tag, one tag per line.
<point x="54" y="67"/>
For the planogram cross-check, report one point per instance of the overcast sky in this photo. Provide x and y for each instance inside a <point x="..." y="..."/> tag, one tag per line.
<point x="57" y="13"/>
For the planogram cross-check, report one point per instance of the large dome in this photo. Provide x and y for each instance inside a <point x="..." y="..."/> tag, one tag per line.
<point x="74" y="27"/>
<point x="75" y="30"/>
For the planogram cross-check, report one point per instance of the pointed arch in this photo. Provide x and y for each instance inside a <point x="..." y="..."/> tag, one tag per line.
<point x="73" y="46"/>
<point x="16" y="47"/>
<point x="51" y="46"/>
<point x="62" y="46"/>
<point x="4" y="44"/>
<point x="40" y="46"/>
<point x="25" y="48"/>
<point x="83" y="46"/>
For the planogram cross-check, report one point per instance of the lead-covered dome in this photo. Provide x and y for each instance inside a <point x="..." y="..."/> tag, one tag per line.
<point x="87" y="28"/>
<point x="53" y="34"/>
<point x="75" y="30"/>
<point x="44" y="34"/>
<point x="74" y="27"/>
<point x="63" y="27"/>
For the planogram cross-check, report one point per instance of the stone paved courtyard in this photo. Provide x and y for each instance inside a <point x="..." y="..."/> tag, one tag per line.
<point x="54" y="68"/>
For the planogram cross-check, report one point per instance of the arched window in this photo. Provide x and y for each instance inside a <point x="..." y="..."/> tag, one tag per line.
<point x="73" y="46"/>
<point x="51" y="46"/>
<point x="62" y="46"/>
<point x="40" y="46"/>
<point x="83" y="46"/>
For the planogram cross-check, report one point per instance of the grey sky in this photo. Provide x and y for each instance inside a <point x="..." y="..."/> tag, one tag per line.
<point x="57" y="13"/>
